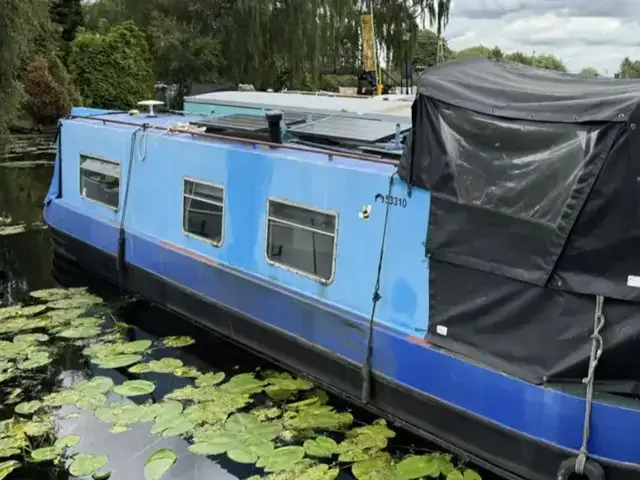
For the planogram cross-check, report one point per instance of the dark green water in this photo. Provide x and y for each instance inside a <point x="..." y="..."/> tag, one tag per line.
<point x="25" y="266"/>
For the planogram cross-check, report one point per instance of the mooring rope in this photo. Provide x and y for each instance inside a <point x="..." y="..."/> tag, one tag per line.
<point x="120" y="260"/>
<point x="365" y="372"/>
<point x="597" y="346"/>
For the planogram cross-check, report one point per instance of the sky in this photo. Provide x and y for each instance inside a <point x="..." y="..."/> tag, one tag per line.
<point x="582" y="33"/>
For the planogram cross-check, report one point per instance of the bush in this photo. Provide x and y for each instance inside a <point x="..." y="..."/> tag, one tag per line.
<point x="47" y="90"/>
<point x="112" y="70"/>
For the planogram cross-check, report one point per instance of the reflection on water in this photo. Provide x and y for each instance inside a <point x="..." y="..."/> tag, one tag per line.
<point x="25" y="266"/>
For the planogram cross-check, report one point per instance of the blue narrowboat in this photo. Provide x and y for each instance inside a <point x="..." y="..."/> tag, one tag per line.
<point x="464" y="262"/>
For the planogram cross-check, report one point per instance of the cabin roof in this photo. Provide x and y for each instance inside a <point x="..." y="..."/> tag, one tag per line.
<point x="516" y="91"/>
<point x="383" y="106"/>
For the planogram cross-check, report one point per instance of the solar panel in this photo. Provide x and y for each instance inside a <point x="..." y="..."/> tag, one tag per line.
<point x="292" y="118"/>
<point x="235" y="121"/>
<point x="348" y="128"/>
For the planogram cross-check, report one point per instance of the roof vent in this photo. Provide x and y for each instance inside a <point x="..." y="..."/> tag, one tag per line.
<point x="150" y="104"/>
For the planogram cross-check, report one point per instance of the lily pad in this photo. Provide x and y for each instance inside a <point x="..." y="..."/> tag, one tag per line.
<point x="177" y="342"/>
<point x="455" y="475"/>
<point x="378" y="466"/>
<point x="87" y="464"/>
<point x="187" y="372"/>
<point x="210" y="379"/>
<point x="7" y="467"/>
<point x="471" y="475"/>
<point x="243" y="455"/>
<point x="115" y="429"/>
<point x="172" y="426"/>
<point x="46" y="454"/>
<point x="133" y="388"/>
<point x="69" y="441"/>
<point x="50" y="293"/>
<point x="117" y="361"/>
<point x="27" y="408"/>
<point x="280" y="459"/>
<point x="417" y="466"/>
<point x="164" y="365"/>
<point x="320" y="447"/>
<point x="30" y="338"/>
<point x="101" y="475"/>
<point x="9" y="452"/>
<point x="158" y="463"/>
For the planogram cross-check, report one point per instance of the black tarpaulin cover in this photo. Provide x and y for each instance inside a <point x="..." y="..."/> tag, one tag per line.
<point x="535" y="209"/>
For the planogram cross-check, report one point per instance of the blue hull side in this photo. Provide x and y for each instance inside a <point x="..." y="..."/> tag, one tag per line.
<point x="542" y="418"/>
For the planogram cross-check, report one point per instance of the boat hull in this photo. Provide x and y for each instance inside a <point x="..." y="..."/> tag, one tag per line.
<point x="327" y="344"/>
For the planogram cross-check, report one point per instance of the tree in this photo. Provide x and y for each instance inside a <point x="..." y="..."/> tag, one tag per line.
<point x="629" y="69"/>
<point x="589" y="72"/>
<point x="112" y="70"/>
<point x="47" y="90"/>
<point x="22" y="24"/>
<point x="69" y="16"/>
<point x="481" y="51"/>
<point x="426" y="49"/>
<point x="549" y="61"/>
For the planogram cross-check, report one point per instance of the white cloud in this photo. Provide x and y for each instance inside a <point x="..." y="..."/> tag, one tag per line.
<point x="580" y="32"/>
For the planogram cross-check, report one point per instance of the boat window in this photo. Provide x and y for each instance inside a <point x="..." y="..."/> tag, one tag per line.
<point x="100" y="181"/>
<point x="302" y="239"/>
<point x="203" y="210"/>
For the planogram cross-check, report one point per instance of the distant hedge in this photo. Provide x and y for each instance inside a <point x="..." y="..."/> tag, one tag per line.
<point x="113" y="70"/>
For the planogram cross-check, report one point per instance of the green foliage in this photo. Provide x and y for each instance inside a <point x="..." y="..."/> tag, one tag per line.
<point x="589" y="72"/>
<point x="69" y="16"/>
<point x="112" y="70"/>
<point x="46" y="89"/>
<point x="425" y="52"/>
<point x="629" y="68"/>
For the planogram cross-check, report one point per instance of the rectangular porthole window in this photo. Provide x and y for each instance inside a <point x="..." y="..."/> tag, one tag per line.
<point x="302" y="239"/>
<point x="100" y="181"/>
<point x="203" y="210"/>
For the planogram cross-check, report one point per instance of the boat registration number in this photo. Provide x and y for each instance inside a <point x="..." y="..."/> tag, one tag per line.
<point x="391" y="200"/>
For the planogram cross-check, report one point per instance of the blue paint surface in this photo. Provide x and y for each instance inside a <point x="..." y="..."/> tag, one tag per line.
<point x="545" y="414"/>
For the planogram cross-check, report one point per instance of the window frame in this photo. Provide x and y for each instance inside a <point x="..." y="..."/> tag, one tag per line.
<point x="289" y="268"/>
<point x="86" y="156"/>
<point x="185" y="179"/>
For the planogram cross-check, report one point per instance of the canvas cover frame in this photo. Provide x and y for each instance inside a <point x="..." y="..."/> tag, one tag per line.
<point x="535" y="210"/>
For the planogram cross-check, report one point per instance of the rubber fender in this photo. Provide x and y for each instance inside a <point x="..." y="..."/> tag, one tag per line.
<point x="592" y="470"/>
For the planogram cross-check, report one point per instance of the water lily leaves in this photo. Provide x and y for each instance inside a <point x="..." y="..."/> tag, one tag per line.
<point x="164" y="365"/>
<point x="50" y="293"/>
<point x="101" y="475"/>
<point x="10" y="312"/>
<point x="245" y="383"/>
<point x="417" y="466"/>
<point x="75" y="302"/>
<point x="30" y="338"/>
<point x="133" y="388"/>
<point x="32" y="310"/>
<point x="117" y="361"/>
<point x="158" y="463"/>
<point x="46" y="454"/>
<point x="471" y="475"/>
<point x="9" y="452"/>
<point x="115" y="429"/>
<point x="187" y="372"/>
<point x="84" y="331"/>
<point x="374" y="467"/>
<point x="86" y="464"/>
<point x="282" y="384"/>
<point x="99" y="383"/>
<point x="210" y="379"/>
<point x="317" y="416"/>
<point x="243" y="455"/>
<point x="455" y="475"/>
<point x="27" y="408"/>
<point x="177" y="342"/>
<point x="172" y="426"/>
<point x="122" y="413"/>
<point x="7" y="467"/>
<point x="320" y="447"/>
<point x="37" y="428"/>
<point x="280" y="459"/>
<point x="319" y="472"/>
<point x="69" y="441"/>
<point x="35" y="360"/>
